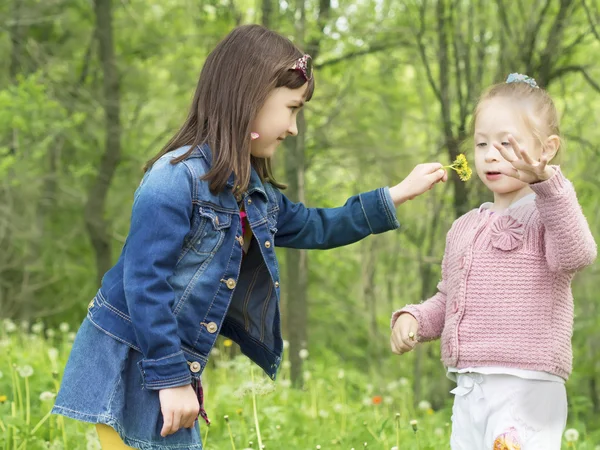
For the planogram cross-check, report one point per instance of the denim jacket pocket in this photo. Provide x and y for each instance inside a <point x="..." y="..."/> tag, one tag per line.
<point x="211" y="230"/>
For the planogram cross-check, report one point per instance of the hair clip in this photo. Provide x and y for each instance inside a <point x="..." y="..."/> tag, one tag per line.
<point x="520" y="78"/>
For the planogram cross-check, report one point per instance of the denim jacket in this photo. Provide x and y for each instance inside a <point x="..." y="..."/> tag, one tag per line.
<point x="181" y="280"/>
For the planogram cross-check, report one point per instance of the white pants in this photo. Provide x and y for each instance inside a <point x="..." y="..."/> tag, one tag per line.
<point x="490" y="410"/>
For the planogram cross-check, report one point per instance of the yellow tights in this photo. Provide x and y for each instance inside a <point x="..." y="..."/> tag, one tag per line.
<point x="109" y="438"/>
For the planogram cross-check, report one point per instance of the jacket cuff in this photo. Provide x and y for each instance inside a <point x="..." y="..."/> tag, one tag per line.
<point x="379" y="210"/>
<point x="168" y="372"/>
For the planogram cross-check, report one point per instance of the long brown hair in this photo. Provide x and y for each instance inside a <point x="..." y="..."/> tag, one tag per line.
<point x="236" y="79"/>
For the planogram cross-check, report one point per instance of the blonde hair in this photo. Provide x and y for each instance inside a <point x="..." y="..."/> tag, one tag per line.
<point x="537" y="108"/>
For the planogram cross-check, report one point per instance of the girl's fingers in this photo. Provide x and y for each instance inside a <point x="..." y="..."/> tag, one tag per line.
<point x="515" y="145"/>
<point x="528" y="158"/>
<point x="511" y="158"/>
<point x="167" y="424"/>
<point x="176" y="422"/>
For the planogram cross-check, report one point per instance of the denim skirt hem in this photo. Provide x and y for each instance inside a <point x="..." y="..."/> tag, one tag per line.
<point x="102" y="384"/>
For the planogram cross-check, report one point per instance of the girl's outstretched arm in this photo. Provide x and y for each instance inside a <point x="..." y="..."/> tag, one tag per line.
<point x="364" y="214"/>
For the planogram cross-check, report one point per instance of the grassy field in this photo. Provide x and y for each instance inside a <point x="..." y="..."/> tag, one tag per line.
<point x="337" y="409"/>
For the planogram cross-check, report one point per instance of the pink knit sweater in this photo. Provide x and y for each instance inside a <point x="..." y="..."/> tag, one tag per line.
<point x="505" y="296"/>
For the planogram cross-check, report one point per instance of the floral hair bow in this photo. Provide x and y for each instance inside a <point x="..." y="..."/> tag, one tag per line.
<point x="520" y="78"/>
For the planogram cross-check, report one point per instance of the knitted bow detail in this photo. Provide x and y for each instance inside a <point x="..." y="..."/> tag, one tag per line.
<point x="507" y="233"/>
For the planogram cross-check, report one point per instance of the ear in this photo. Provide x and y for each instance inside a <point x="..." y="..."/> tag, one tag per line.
<point x="551" y="146"/>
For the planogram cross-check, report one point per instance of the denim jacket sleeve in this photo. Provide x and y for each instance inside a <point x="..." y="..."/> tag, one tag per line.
<point x="364" y="214"/>
<point x="160" y="220"/>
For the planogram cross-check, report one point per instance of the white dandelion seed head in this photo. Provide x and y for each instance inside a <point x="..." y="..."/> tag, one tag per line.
<point x="414" y="422"/>
<point x="25" y="371"/>
<point x="403" y="382"/>
<point x="303" y="353"/>
<point x="50" y="333"/>
<point x="215" y="352"/>
<point x="286" y="364"/>
<point x="286" y="344"/>
<point x="424" y="405"/>
<point x="37" y="328"/>
<point x="338" y="407"/>
<point x="571" y="435"/>
<point x="323" y="414"/>
<point x="64" y="327"/>
<point x="341" y="374"/>
<point x="366" y="401"/>
<point x="369" y="388"/>
<point x="24" y="325"/>
<point x="388" y="400"/>
<point x="285" y="383"/>
<point x="71" y="336"/>
<point x="47" y="396"/>
<point x="306" y="375"/>
<point x="438" y="431"/>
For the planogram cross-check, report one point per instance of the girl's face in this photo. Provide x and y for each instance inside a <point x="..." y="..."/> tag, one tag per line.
<point x="496" y="119"/>
<point x="276" y="120"/>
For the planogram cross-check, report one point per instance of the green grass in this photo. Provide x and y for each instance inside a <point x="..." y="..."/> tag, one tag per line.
<point x="337" y="408"/>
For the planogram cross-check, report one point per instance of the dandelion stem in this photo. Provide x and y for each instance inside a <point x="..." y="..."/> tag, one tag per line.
<point x="27" y="400"/>
<point x="205" y="436"/>
<point x="230" y="436"/>
<point x="255" y="411"/>
<point x="41" y="422"/>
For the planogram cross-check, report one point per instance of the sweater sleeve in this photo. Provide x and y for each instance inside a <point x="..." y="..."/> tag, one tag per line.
<point x="569" y="243"/>
<point x="430" y="314"/>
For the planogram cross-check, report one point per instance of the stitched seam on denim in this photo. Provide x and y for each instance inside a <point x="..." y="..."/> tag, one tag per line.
<point x="164" y="357"/>
<point x="247" y="298"/>
<point x="265" y="260"/>
<point x="365" y="213"/>
<point x="195" y="177"/>
<point x="167" y="381"/>
<point x="206" y="211"/>
<point x="113" y="336"/>
<point x="219" y="208"/>
<point x="390" y="213"/>
<point x="63" y="408"/>
<point x="191" y="351"/>
<point x="116" y="311"/>
<point x="264" y="312"/>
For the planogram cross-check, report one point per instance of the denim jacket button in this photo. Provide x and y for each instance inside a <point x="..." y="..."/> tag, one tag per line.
<point x="195" y="367"/>
<point x="91" y="304"/>
<point x="230" y="283"/>
<point x="212" y="327"/>
<point x="268" y="244"/>
<point x="277" y="284"/>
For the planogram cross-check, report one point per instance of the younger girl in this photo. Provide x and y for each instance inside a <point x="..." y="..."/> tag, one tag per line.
<point x="504" y="308"/>
<point x="199" y="259"/>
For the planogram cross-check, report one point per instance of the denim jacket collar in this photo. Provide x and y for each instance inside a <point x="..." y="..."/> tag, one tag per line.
<point x="255" y="184"/>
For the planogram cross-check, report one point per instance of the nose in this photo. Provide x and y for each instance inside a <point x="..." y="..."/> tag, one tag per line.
<point x="293" y="128"/>
<point x="492" y="154"/>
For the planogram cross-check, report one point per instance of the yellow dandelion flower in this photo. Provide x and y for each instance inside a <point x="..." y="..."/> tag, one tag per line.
<point x="228" y="343"/>
<point x="461" y="167"/>
<point x="3" y="398"/>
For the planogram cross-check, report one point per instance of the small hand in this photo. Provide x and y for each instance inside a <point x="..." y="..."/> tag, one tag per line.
<point x="404" y="334"/>
<point x="524" y="168"/>
<point x="422" y="178"/>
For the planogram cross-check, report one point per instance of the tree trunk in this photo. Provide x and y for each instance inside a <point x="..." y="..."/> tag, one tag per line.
<point x="96" y="223"/>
